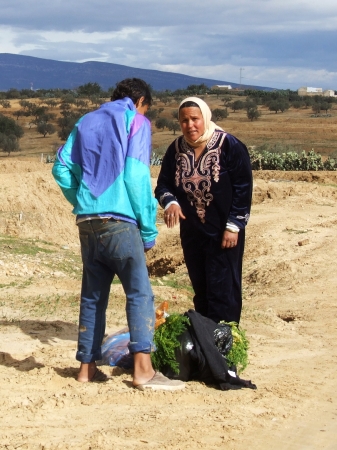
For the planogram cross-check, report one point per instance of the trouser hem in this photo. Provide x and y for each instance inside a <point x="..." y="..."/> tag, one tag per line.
<point x="138" y="347"/>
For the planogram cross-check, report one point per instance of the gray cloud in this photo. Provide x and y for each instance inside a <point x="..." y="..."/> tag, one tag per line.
<point x="273" y="37"/>
<point x="105" y="15"/>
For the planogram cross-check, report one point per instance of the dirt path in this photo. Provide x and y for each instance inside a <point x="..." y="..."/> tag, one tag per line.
<point x="289" y="314"/>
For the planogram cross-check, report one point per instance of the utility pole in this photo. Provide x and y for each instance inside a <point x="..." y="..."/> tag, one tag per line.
<point x="241" y="69"/>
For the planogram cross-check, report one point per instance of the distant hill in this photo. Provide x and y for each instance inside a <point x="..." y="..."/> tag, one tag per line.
<point x="20" y="72"/>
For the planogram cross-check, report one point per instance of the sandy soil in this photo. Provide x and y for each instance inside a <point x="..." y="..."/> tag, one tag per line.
<point x="289" y="314"/>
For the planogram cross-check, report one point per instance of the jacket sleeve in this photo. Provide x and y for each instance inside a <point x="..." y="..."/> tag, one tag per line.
<point x="137" y="179"/>
<point x="240" y="173"/>
<point x="165" y="189"/>
<point x="66" y="178"/>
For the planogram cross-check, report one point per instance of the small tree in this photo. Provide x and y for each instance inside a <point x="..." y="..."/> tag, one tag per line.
<point x="326" y="106"/>
<point x="197" y="89"/>
<point x="253" y="113"/>
<point x="51" y="102"/>
<point x="89" y="89"/>
<point x="174" y="126"/>
<point x="13" y="93"/>
<point x="316" y="108"/>
<point x="278" y="105"/>
<point x="161" y="123"/>
<point x="110" y="91"/>
<point x="9" y="127"/>
<point x="237" y="105"/>
<point x="284" y="105"/>
<point x="25" y="104"/>
<point x="226" y="100"/>
<point x="9" y="143"/>
<point x="67" y="123"/>
<point x="68" y="98"/>
<point x="219" y="113"/>
<point x="80" y="103"/>
<point x="18" y="113"/>
<point x="96" y="100"/>
<point x="308" y="101"/>
<point x="47" y="117"/>
<point x="37" y="111"/>
<point x="297" y="104"/>
<point x="65" y="108"/>
<point x="152" y="114"/>
<point x="166" y="99"/>
<point x="5" y="103"/>
<point x="45" y="128"/>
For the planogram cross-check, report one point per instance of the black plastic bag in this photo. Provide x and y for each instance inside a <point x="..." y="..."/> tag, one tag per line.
<point x="223" y="338"/>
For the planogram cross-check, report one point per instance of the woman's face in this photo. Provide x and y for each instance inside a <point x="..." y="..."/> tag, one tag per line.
<point x="191" y="122"/>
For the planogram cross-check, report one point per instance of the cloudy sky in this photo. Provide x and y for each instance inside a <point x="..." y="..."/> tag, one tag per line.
<point x="276" y="43"/>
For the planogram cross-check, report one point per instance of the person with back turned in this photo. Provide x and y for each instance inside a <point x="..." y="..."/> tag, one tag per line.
<point x="103" y="171"/>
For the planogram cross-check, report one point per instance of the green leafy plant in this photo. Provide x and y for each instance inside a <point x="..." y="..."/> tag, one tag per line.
<point x="166" y="341"/>
<point x="238" y="354"/>
<point x="280" y="157"/>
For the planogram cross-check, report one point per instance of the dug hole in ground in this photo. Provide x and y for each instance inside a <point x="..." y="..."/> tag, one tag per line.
<point x="289" y="316"/>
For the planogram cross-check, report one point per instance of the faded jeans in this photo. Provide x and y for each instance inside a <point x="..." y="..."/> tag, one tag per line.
<point x="112" y="248"/>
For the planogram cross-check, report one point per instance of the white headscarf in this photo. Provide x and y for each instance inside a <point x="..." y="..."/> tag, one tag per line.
<point x="210" y="126"/>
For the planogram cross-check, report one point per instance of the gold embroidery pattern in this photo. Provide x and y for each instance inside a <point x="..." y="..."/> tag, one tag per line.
<point x="196" y="179"/>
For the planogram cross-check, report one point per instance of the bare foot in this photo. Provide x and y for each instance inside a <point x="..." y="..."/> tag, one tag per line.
<point x="87" y="372"/>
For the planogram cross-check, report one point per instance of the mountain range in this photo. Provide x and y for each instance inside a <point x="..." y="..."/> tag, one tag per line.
<point x="27" y="72"/>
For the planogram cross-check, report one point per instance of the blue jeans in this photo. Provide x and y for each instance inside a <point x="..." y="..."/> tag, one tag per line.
<point x="112" y="248"/>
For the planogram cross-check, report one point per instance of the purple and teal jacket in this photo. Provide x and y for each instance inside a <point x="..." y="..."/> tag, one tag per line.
<point x="103" y="168"/>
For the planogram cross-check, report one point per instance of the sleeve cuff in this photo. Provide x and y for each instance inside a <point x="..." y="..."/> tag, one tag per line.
<point x="230" y="226"/>
<point x="173" y="202"/>
<point x="148" y="245"/>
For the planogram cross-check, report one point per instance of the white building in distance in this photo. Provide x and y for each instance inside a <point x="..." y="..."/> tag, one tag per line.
<point x="315" y="91"/>
<point x="221" y="86"/>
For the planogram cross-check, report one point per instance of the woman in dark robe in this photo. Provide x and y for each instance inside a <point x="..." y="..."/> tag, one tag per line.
<point x="205" y="183"/>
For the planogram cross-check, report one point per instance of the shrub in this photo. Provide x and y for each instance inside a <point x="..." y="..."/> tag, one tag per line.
<point x="9" y="126"/>
<point x="279" y="157"/>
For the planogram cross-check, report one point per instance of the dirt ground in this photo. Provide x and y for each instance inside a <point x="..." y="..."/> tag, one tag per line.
<point x="289" y="315"/>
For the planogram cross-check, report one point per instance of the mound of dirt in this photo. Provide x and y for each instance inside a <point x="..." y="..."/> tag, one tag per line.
<point x="322" y="177"/>
<point x="33" y="206"/>
<point x="17" y="166"/>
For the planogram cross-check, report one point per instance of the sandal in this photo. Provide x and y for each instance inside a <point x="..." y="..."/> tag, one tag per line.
<point x="160" y="382"/>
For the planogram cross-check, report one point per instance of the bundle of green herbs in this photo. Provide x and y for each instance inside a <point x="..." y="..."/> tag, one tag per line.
<point x="238" y="354"/>
<point x="166" y="341"/>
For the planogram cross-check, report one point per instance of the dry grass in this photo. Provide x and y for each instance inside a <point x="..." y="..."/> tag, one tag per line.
<point x="294" y="127"/>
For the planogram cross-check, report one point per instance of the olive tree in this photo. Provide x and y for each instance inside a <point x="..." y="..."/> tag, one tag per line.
<point x="253" y="113"/>
<point x="161" y="123"/>
<point x="9" y="143"/>
<point x="45" y="128"/>
<point x="173" y="125"/>
<point x="219" y="113"/>
<point x="9" y="126"/>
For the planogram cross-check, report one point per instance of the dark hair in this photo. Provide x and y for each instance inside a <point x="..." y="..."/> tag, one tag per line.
<point x="189" y="104"/>
<point x="134" y="88"/>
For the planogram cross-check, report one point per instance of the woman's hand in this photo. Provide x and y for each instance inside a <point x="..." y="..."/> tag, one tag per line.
<point x="172" y="215"/>
<point x="229" y="239"/>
